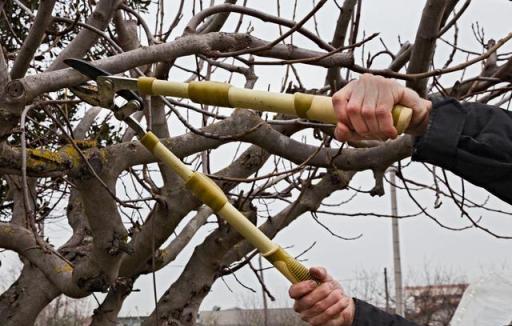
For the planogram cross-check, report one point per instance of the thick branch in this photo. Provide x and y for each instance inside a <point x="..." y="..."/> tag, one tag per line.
<point x="215" y="23"/>
<point x="56" y="269"/>
<point x="99" y="270"/>
<point x="25" y="298"/>
<point x="24" y="90"/>
<point x="333" y="77"/>
<point x="125" y="155"/>
<point x="85" y="39"/>
<point x="424" y="44"/>
<point x="34" y="38"/>
<point x="227" y="8"/>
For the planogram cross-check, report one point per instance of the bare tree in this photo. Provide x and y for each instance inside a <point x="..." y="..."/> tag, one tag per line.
<point x="62" y="159"/>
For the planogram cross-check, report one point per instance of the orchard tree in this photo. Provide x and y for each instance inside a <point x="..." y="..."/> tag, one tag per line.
<point x="64" y="159"/>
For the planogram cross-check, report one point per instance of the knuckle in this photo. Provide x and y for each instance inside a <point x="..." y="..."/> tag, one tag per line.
<point x="381" y="111"/>
<point x="307" y="302"/>
<point x="366" y="76"/>
<point x="380" y="78"/>
<point x="352" y="108"/>
<point x="367" y="112"/>
<point x="330" y="313"/>
<point x="325" y="289"/>
<point x="392" y="82"/>
<point x="338" y="294"/>
<point x="319" y="306"/>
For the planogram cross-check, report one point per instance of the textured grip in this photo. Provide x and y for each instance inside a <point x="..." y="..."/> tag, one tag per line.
<point x="290" y="267"/>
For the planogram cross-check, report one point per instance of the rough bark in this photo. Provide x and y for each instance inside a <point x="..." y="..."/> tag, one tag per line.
<point x="86" y="38"/>
<point x="34" y="38"/>
<point x="25" y="298"/>
<point x="424" y="44"/>
<point x="333" y="78"/>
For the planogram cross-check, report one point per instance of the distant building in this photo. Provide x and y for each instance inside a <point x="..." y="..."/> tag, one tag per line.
<point x="433" y="305"/>
<point x="244" y="317"/>
<point x="235" y="317"/>
<point x="130" y="321"/>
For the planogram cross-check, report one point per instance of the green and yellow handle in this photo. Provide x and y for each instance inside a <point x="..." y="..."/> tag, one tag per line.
<point x="307" y="106"/>
<point x="312" y="107"/>
<point x="210" y="194"/>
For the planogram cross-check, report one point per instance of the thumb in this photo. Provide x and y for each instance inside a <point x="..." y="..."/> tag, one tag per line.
<point x="319" y="274"/>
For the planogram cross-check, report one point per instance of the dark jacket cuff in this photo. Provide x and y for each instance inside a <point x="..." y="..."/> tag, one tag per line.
<point x="444" y="128"/>
<point x="369" y="315"/>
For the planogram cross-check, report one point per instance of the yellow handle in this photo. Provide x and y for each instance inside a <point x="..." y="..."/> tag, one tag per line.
<point x="290" y="267"/>
<point x="210" y="194"/>
<point x="307" y="106"/>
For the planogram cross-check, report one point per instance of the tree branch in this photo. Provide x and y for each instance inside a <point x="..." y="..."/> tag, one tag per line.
<point x="85" y="39"/>
<point x="424" y="44"/>
<point x="35" y="36"/>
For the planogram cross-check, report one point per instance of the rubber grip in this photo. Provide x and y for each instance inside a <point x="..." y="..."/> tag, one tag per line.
<point x="290" y="267"/>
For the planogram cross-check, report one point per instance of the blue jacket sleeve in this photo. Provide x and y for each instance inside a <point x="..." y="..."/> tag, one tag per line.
<point x="473" y="141"/>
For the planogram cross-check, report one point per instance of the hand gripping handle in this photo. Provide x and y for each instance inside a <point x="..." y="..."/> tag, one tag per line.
<point x="307" y="106"/>
<point x="290" y="267"/>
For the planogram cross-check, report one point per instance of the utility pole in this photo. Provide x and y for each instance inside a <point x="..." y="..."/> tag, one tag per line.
<point x="397" y="264"/>
<point x="265" y="306"/>
<point x="386" y="289"/>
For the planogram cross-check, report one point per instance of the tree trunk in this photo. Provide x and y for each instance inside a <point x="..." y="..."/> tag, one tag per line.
<point x="26" y="298"/>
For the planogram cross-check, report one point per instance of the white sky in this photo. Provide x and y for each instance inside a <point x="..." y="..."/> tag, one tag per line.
<point x="425" y="246"/>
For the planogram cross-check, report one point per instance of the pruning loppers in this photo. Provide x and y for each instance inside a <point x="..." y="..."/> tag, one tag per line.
<point x="306" y="106"/>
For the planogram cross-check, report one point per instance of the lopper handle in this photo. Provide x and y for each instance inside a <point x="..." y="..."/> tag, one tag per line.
<point x="290" y="267"/>
<point x="211" y="195"/>
<point x="307" y="106"/>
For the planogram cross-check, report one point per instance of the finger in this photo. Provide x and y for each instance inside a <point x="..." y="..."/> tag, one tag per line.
<point x="342" y="132"/>
<point x="383" y="114"/>
<point x="354" y="106"/>
<point x="322" y="305"/>
<point x="310" y="299"/>
<point x="408" y="97"/>
<point x="413" y="100"/>
<point x="339" y="104"/>
<point x="331" y="313"/>
<point x="369" y="105"/>
<point x="300" y="289"/>
<point x="320" y="274"/>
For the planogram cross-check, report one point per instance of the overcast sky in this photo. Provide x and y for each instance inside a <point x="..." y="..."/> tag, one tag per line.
<point x="425" y="246"/>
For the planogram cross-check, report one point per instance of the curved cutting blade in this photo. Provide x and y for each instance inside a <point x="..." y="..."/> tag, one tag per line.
<point x="93" y="72"/>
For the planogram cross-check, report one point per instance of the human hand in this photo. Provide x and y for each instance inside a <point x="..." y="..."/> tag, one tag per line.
<point x="322" y="304"/>
<point x="363" y="108"/>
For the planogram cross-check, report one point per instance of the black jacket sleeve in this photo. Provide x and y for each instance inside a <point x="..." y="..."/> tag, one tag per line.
<point x="368" y="315"/>
<point x="471" y="140"/>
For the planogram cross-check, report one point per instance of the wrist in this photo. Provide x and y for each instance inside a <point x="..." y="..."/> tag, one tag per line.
<point x="349" y="313"/>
